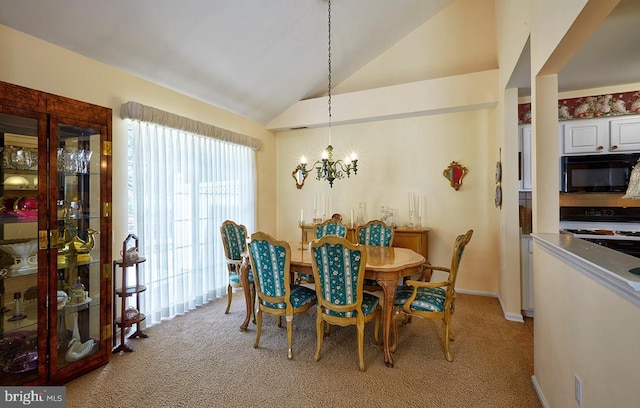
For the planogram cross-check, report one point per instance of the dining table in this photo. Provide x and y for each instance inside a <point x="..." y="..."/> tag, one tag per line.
<point x="386" y="265"/>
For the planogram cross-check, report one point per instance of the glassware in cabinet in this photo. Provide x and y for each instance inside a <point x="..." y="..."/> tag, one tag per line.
<point x="23" y="350"/>
<point x="78" y="223"/>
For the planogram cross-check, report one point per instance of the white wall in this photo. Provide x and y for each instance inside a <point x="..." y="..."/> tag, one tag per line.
<point x="401" y="156"/>
<point x="583" y="329"/>
<point x="33" y="63"/>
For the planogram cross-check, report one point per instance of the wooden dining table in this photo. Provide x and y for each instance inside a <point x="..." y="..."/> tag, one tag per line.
<point x="386" y="265"/>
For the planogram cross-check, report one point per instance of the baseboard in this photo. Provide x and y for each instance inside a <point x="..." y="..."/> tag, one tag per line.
<point x="513" y="317"/>
<point x="536" y="387"/>
<point x="475" y="292"/>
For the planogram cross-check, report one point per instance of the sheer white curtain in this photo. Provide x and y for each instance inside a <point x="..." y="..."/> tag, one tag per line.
<point x="184" y="186"/>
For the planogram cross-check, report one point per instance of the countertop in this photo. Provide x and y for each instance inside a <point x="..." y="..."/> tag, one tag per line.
<point x="604" y="265"/>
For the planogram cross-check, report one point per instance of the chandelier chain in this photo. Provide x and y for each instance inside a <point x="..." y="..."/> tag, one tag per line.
<point x="329" y="60"/>
<point x="327" y="168"/>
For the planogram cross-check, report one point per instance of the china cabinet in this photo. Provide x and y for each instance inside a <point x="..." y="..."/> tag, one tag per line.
<point x="55" y="237"/>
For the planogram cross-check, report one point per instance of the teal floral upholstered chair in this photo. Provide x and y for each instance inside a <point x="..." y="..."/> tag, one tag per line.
<point x="375" y="232"/>
<point x="331" y="226"/>
<point x="378" y="233"/>
<point x="234" y="241"/>
<point x="338" y="269"/>
<point x="270" y="264"/>
<point x="432" y="300"/>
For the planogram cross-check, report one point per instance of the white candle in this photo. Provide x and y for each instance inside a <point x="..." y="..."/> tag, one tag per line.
<point x="351" y="219"/>
<point x="301" y="214"/>
<point x="411" y="209"/>
<point x="420" y="206"/>
<point x="315" y="202"/>
<point x="326" y="206"/>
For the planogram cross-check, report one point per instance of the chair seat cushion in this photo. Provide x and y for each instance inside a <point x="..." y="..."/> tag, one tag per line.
<point x="369" y="304"/>
<point x="307" y="277"/>
<point x="300" y="296"/>
<point x="234" y="279"/>
<point x="427" y="299"/>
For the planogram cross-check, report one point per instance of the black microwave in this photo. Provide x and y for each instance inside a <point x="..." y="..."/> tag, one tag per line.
<point x="596" y="173"/>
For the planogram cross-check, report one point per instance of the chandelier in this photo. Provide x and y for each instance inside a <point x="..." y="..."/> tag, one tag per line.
<point x="327" y="168"/>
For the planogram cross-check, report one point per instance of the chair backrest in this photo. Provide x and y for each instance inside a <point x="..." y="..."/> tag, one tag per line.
<point x="375" y="232"/>
<point x="338" y="270"/>
<point x="270" y="264"/>
<point x="330" y="227"/>
<point x="234" y="239"/>
<point x="458" y="249"/>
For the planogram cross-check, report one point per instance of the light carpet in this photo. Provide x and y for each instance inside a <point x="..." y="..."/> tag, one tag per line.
<point x="202" y="359"/>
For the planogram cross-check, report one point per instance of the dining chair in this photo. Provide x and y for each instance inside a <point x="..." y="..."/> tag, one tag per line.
<point x="432" y="300"/>
<point x="375" y="232"/>
<point x="338" y="269"/>
<point x="234" y="241"/>
<point x="332" y="226"/>
<point x="270" y="263"/>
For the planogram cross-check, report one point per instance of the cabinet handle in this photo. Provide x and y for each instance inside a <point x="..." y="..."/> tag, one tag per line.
<point x="599" y="148"/>
<point x="614" y="147"/>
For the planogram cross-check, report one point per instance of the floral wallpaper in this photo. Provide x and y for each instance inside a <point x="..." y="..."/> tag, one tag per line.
<point x="626" y="103"/>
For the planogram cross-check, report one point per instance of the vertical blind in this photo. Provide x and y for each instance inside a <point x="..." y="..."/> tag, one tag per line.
<point x="183" y="186"/>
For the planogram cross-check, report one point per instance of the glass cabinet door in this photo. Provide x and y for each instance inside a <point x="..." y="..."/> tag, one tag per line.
<point x="23" y="342"/>
<point x="77" y="220"/>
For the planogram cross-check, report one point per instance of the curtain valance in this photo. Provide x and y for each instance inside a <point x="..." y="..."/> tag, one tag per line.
<point x="138" y="111"/>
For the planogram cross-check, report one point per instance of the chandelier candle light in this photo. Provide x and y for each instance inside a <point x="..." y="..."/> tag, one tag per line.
<point x="327" y="168"/>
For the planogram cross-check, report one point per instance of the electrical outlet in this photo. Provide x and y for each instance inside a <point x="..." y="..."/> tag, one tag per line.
<point x="578" y="390"/>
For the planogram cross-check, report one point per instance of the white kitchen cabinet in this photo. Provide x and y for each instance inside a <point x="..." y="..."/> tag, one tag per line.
<point x="625" y="134"/>
<point x="588" y="136"/>
<point x="524" y="143"/>
<point x="526" y="274"/>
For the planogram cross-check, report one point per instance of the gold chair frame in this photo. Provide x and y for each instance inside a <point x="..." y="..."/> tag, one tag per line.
<point x="360" y="320"/>
<point x="449" y="284"/>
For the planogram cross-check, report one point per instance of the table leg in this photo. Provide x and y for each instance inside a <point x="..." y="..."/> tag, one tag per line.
<point x="245" y="269"/>
<point x="389" y="288"/>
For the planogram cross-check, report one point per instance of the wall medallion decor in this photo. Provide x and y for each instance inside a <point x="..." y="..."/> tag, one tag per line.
<point x="455" y="173"/>
<point x="498" y="195"/>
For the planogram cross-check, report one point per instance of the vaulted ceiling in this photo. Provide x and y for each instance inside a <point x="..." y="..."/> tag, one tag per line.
<point x="258" y="57"/>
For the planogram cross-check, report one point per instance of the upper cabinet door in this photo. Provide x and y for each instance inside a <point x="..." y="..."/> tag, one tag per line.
<point x="625" y="134"/>
<point x="589" y="136"/>
<point x="23" y="335"/>
<point x="77" y="191"/>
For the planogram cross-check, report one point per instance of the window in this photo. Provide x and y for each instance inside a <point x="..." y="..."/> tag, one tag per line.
<point x="182" y="186"/>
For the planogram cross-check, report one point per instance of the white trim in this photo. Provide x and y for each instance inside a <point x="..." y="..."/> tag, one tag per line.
<point x="514" y="317"/>
<point x="536" y="387"/>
